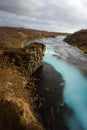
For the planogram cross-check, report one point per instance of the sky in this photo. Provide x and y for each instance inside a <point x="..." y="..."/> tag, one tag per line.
<point x="49" y="15"/>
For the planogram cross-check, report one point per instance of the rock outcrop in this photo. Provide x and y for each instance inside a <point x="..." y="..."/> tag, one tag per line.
<point x="26" y="59"/>
<point x="16" y="83"/>
<point x="78" y="39"/>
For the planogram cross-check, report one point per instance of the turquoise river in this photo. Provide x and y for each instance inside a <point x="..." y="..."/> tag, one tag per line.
<point x="71" y="63"/>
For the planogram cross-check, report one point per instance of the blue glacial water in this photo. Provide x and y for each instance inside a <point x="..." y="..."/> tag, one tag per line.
<point x="75" y="90"/>
<point x="68" y="61"/>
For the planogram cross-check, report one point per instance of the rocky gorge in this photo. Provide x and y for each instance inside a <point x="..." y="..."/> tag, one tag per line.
<point x="19" y="76"/>
<point x="33" y="76"/>
<point x="55" y="94"/>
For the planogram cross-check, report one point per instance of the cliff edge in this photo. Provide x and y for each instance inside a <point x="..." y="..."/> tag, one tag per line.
<point x="17" y="87"/>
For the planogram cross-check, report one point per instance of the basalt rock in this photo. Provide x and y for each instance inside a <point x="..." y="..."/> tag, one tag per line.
<point x="16" y="105"/>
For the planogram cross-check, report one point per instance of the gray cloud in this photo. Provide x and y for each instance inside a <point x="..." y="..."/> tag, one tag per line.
<point x="52" y="15"/>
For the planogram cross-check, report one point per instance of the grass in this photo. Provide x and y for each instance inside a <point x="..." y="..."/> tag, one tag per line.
<point x="15" y="37"/>
<point x="18" y="92"/>
<point x="78" y="39"/>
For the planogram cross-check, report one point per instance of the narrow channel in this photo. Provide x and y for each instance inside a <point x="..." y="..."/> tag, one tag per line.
<point x="71" y="63"/>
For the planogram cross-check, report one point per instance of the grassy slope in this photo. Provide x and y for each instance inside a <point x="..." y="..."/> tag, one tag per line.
<point x="78" y="39"/>
<point x="17" y="88"/>
<point x="16" y="111"/>
<point x="14" y="37"/>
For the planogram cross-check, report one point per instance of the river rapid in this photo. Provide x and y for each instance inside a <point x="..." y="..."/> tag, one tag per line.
<point x="71" y="63"/>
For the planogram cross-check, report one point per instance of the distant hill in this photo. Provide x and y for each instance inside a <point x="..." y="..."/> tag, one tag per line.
<point x="78" y="39"/>
<point x="11" y="37"/>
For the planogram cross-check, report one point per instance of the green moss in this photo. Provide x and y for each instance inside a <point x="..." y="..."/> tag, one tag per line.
<point x="30" y="52"/>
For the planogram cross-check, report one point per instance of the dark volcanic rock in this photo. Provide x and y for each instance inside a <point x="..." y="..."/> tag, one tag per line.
<point x="50" y="91"/>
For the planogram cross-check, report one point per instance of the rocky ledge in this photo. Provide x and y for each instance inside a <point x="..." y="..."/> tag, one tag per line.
<point x="78" y="39"/>
<point x="17" y="87"/>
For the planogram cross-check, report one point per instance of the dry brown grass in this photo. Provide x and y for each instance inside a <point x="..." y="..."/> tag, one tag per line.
<point x="17" y="87"/>
<point x="15" y="110"/>
<point x="78" y="39"/>
<point x="15" y="37"/>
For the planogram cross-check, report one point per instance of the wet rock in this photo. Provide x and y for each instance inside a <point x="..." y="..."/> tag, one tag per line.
<point x="50" y="94"/>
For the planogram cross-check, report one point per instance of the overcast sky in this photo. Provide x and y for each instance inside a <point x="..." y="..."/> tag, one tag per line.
<point x="50" y="15"/>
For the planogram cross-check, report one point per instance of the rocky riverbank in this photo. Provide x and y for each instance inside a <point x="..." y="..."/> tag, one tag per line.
<point x="51" y="107"/>
<point x="20" y="102"/>
<point x="78" y="39"/>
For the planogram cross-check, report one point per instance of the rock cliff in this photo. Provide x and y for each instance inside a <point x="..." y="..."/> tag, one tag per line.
<point x="17" y="87"/>
<point x="78" y="39"/>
